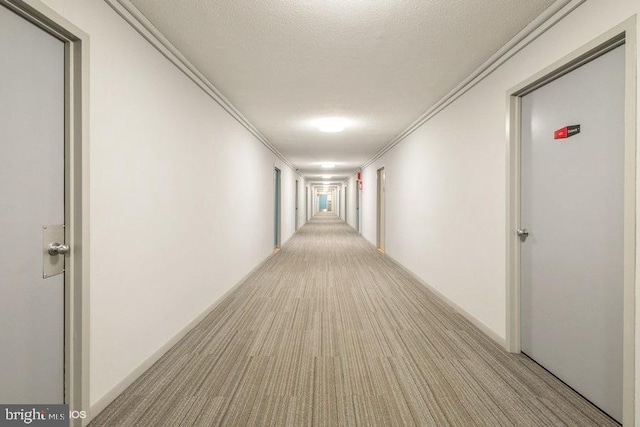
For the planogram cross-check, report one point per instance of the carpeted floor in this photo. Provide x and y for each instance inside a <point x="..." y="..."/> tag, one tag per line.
<point x="328" y="332"/>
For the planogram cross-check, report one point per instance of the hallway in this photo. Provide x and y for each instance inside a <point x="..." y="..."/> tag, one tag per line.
<point x="329" y="332"/>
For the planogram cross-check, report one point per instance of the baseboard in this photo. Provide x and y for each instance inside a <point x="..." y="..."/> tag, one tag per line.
<point x="464" y="313"/>
<point x="106" y="400"/>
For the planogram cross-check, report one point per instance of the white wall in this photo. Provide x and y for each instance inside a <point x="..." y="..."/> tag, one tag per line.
<point x="446" y="182"/>
<point x="178" y="188"/>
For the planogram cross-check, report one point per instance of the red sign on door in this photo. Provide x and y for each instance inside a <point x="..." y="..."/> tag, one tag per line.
<point x="566" y="132"/>
<point x="560" y="133"/>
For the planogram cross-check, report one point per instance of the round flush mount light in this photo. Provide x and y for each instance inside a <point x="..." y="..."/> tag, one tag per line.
<point x="330" y="124"/>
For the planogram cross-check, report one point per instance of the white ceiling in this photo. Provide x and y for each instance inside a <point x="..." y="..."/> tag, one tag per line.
<point x="378" y="64"/>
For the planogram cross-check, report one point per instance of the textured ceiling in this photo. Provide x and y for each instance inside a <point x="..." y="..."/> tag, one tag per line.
<point x="378" y="64"/>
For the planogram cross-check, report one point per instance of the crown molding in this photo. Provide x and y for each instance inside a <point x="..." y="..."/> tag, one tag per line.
<point x="146" y="29"/>
<point x="535" y="29"/>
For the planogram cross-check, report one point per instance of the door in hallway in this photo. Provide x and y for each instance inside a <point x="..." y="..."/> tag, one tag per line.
<point x="346" y="203"/>
<point x="32" y="133"/>
<point x="296" y="204"/>
<point x="334" y="201"/>
<point x="276" y="208"/>
<point x="572" y="191"/>
<point x="322" y="202"/>
<point x="381" y="210"/>
<point x="357" y="208"/>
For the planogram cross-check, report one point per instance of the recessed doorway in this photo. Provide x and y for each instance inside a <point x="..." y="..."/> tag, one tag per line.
<point x="276" y="209"/>
<point x="380" y="217"/>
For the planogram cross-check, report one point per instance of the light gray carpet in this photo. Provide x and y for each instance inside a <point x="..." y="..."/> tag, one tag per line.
<point x="328" y="332"/>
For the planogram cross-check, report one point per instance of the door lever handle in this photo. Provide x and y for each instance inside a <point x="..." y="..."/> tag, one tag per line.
<point x="523" y="233"/>
<point x="58" y="249"/>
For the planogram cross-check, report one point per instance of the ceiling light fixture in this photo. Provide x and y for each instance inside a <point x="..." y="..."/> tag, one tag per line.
<point x="330" y="124"/>
<point x="326" y="176"/>
<point x="328" y="165"/>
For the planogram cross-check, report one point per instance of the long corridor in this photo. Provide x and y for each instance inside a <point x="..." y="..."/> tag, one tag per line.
<point x="328" y="332"/>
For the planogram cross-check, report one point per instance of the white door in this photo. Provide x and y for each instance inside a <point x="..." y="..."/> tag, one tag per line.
<point x="357" y="207"/>
<point x="346" y="203"/>
<point x="276" y="208"/>
<point x="572" y="206"/>
<point x="296" y="205"/>
<point x="381" y="210"/>
<point x="31" y="196"/>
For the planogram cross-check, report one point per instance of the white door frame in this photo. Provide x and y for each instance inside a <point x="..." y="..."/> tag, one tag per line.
<point x="381" y="209"/>
<point x="295" y="202"/>
<point x="277" y="202"/>
<point x="345" y="189"/>
<point x="624" y="33"/>
<point x="358" y="208"/>
<point x="76" y="302"/>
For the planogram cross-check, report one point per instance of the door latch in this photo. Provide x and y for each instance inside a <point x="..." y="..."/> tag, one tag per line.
<point x="52" y="262"/>
<point x="58" y="249"/>
<point x="523" y="233"/>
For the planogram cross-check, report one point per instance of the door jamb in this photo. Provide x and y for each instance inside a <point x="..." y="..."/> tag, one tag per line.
<point x="296" y="194"/>
<point x="358" y="208"/>
<point x="625" y="33"/>
<point x="277" y="181"/>
<point x="76" y="304"/>
<point x="345" y="189"/>
<point x="381" y="213"/>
